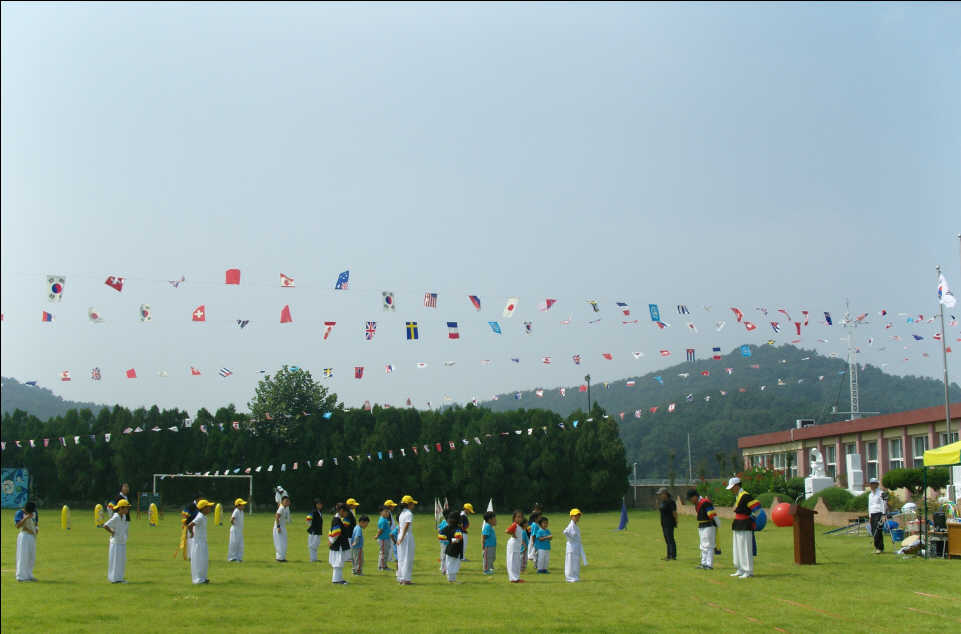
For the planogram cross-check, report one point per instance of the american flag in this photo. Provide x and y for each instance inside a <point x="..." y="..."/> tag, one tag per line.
<point x="225" y="372"/>
<point x="370" y="330"/>
<point x="95" y="374"/>
<point x="430" y="300"/>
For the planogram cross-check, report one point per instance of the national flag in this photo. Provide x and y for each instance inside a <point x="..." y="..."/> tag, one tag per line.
<point x="243" y="323"/>
<point x="131" y="373"/>
<point x="682" y="310"/>
<point x="430" y="300"/>
<point x="729" y="371"/>
<point x="421" y="365"/>
<point x="745" y="350"/>
<point x="689" y="398"/>
<point x="655" y="313"/>
<point x="55" y="286"/>
<point x="630" y="383"/>
<point x="805" y="313"/>
<point x="115" y="283"/>
<point x="546" y="360"/>
<point x="692" y="327"/>
<point x="797" y="326"/>
<point x="945" y="296"/>
<point x="719" y="326"/>
<point x="717" y="353"/>
<point x="624" y="308"/>
<point x="285" y="316"/>
<point x="162" y="374"/>
<point x="861" y="317"/>
<point x="762" y="310"/>
<point x="359" y="372"/>
<point x="95" y="374"/>
<point x="737" y="313"/>
<point x="671" y="407"/>
<point x="637" y="355"/>
<point x="517" y="397"/>
<point x="452" y="332"/>
<point x="608" y="356"/>
<point x="690" y="355"/>
<point x="594" y="306"/>
<point x="528" y="327"/>
<point x="917" y="337"/>
<point x="31" y="383"/>
<point x="582" y="388"/>
<point x="545" y="305"/>
<point x="510" y="307"/>
<point x="342" y="279"/>
<point x="286" y="282"/>
<point x="665" y="353"/>
<point x="475" y="300"/>
<point x="328" y="326"/>
<point x="65" y="375"/>
<point x="199" y="314"/>
<point x="749" y="326"/>
<point x="177" y="283"/>
<point x="539" y="393"/>
<point x="827" y="318"/>
<point x="328" y="372"/>
<point x="224" y="372"/>
<point x="705" y="373"/>
<point x="776" y="327"/>
<point x="388" y="368"/>
<point x="194" y="371"/>
<point x="232" y="276"/>
<point x="785" y="313"/>
<point x="653" y="410"/>
<point x="637" y="413"/>
<point x="412" y="330"/>
<point x="94" y="316"/>
<point x="577" y="359"/>
<point x="145" y="313"/>
<point x="387" y="298"/>
<point x="45" y="316"/>
<point x="370" y="330"/>
<point x="563" y="391"/>
<point x="495" y="327"/>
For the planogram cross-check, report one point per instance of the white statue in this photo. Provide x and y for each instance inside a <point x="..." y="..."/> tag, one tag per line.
<point x="817" y="464"/>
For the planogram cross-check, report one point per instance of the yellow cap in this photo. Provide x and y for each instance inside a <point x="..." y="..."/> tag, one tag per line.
<point x="121" y="503"/>
<point x="408" y="500"/>
<point x="469" y="507"/>
<point x="352" y="502"/>
<point x="240" y="502"/>
<point x="575" y="512"/>
<point x="390" y="503"/>
<point x="202" y="504"/>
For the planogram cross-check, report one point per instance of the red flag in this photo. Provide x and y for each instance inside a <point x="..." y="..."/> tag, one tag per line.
<point x="653" y="410"/>
<point x="582" y="388"/>
<point x="705" y="373"/>
<point x="749" y="326"/>
<point x="233" y="276"/>
<point x="285" y="317"/>
<point x="327" y="326"/>
<point x="797" y="325"/>
<point x="665" y="353"/>
<point x="199" y="314"/>
<point x="131" y="374"/>
<point x="607" y="355"/>
<point x="359" y="372"/>
<point x="115" y="283"/>
<point x="194" y="371"/>
<point x="737" y="313"/>
<point x="437" y="446"/>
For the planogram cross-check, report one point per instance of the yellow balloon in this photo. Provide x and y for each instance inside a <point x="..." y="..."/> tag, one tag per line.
<point x="65" y="518"/>
<point x="153" y="515"/>
<point x="218" y="514"/>
<point x="98" y="515"/>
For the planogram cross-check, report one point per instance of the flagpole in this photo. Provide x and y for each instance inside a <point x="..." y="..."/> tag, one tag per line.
<point x="944" y="359"/>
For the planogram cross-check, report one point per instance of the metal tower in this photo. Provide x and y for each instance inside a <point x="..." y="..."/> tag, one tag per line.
<point x="850" y="325"/>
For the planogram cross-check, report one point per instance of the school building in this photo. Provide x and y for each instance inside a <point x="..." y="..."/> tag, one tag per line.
<point x="891" y="441"/>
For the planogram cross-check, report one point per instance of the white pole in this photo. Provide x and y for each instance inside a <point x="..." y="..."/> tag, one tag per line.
<point x="944" y="358"/>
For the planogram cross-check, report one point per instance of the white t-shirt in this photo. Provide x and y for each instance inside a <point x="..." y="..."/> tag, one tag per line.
<point x="120" y="528"/>
<point x="238" y="517"/>
<point x="200" y="527"/>
<point x="876" y="503"/>
<point x="406" y="517"/>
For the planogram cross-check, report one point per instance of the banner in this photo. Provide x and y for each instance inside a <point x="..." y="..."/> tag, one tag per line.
<point x="16" y="486"/>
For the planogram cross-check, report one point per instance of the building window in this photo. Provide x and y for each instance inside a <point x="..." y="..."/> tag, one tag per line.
<point x="920" y="446"/>
<point x="779" y="461"/>
<point x="871" y="453"/>
<point x="830" y="461"/>
<point x="947" y="441"/>
<point x="895" y="455"/>
<point x="850" y="449"/>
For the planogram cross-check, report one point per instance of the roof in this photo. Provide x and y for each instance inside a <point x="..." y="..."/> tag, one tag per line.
<point x="897" y="419"/>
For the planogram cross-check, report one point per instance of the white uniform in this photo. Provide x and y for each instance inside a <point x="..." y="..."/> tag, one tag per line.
<point x="199" y="557"/>
<point x="235" y="548"/>
<point x="117" y="558"/>
<point x="405" y="549"/>
<point x="463" y="515"/>
<point x="514" y="551"/>
<point x="26" y="551"/>
<point x="575" y="553"/>
<point x="743" y="547"/>
<point x="707" y="536"/>
<point x="280" y="533"/>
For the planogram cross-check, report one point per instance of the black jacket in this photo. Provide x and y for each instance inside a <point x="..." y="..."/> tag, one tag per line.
<point x="316" y="523"/>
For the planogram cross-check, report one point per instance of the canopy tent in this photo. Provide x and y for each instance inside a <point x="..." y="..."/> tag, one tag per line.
<point x="943" y="456"/>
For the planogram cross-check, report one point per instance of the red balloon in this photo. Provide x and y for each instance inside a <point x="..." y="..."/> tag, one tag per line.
<point x="781" y="515"/>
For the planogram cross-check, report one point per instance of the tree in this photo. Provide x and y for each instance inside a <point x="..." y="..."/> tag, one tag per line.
<point x="283" y="400"/>
<point x="913" y="480"/>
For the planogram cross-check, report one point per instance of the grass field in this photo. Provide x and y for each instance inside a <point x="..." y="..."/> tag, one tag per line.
<point x="626" y="587"/>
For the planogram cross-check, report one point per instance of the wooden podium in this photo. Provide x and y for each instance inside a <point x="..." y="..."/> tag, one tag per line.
<point x="803" y="535"/>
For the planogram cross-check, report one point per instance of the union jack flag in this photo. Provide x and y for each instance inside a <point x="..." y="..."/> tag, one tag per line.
<point x="370" y="330"/>
<point x="430" y="300"/>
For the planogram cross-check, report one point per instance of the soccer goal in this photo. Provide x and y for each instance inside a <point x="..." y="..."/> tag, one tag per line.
<point x="227" y="492"/>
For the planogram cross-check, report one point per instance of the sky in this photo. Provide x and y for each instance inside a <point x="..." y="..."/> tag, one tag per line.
<point x="712" y="155"/>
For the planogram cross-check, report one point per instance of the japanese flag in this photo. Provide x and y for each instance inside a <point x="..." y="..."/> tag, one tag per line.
<point x="509" y="308"/>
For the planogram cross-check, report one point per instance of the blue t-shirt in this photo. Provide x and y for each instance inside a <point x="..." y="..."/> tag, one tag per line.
<point x="489" y="536"/>
<point x="440" y="532"/>
<point x="539" y="542"/>
<point x="357" y="540"/>
<point x="383" y="527"/>
<point x="394" y="533"/>
<point x="525" y="537"/>
<point x="19" y="516"/>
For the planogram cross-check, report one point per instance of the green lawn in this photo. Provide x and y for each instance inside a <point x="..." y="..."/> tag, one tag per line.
<point x="626" y="587"/>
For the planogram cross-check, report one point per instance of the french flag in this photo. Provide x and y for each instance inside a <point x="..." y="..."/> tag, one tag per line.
<point x="452" y="332"/>
<point x="45" y="316"/>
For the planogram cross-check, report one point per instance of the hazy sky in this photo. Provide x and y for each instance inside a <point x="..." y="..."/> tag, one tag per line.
<point x="711" y="155"/>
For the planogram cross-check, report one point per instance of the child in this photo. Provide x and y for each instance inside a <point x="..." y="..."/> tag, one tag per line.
<point x="383" y="538"/>
<point x="197" y="529"/>
<point x="534" y="518"/>
<point x="315" y="528"/>
<point x="453" y="536"/>
<point x="235" y="548"/>
<point x="26" y="521"/>
<point x="281" y="520"/>
<point x="668" y="510"/>
<point x="405" y="541"/>
<point x="515" y="546"/>
<point x="357" y="545"/>
<point x="391" y="505"/>
<point x="442" y="537"/>
<point x="575" y="552"/>
<point x="526" y="542"/>
<point x="542" y="546"/>
<point x="489" y="541"/>
<point x="339" y="539"/>
<point x="706" y="528"/>
<point x="117" y="526"/>
<point x="464" y="525"/>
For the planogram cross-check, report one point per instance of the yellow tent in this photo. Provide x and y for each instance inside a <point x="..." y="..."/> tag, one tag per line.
<point x="943" y="456"/>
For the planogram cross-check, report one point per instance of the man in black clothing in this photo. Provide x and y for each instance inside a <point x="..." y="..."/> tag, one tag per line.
<point x="668" y="509"/>
<point x="315" y="529"/>
<point x="124" y="492"/>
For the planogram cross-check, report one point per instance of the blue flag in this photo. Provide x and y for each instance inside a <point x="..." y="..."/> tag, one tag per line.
<point x="342" y="281"/>
<point x="659" y="379"/>
<point x="745" y="350"/>
<point x="623" y="523"/>
<point x="496" y="327"/>
<point x="327" y="415"/>
<point x="655" y="313"/>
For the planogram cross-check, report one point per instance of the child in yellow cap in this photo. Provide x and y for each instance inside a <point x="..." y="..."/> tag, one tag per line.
<point x="405" y="541"/>
<point x="199" y="556"/>
<point x="235" y="548"/>
<point x="117" y="526"/>
<point x="575" y="551"/>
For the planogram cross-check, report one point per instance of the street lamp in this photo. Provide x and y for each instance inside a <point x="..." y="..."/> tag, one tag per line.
<point x="588" y="379"/>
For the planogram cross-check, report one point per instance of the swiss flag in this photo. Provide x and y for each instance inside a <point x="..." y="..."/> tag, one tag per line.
<point x="131" y="374"/>
<point x="232" y="277"/>
<point x="750" y="326"/>
<point x="115" y="283"/>
<point x="285" y="317"/>
<point x="607" y="355"/>
<point x="194" y="371"/>
<point x="200" y="313"/>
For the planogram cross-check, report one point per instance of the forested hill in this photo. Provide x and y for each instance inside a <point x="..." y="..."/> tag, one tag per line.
<point x="792" y="390"/>
<point x="38" y="401"/>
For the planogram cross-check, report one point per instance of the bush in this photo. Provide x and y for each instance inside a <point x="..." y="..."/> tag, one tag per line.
<point x="835" y="498"/>
<point x="858" y="504"/>
<point x="913" y="479"/>
<point x="767" y="499"/>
